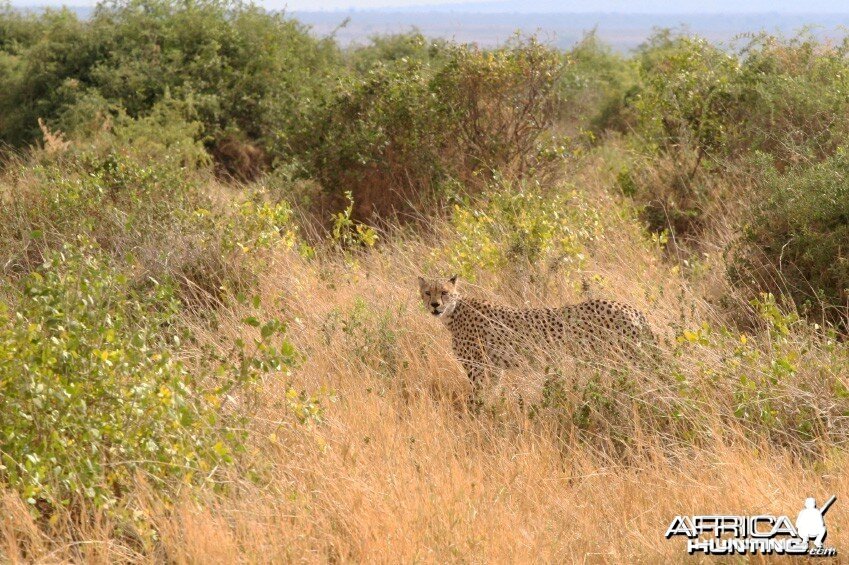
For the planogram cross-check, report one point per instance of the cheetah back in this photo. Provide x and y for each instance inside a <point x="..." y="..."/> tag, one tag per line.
<point x="485" y="333"/>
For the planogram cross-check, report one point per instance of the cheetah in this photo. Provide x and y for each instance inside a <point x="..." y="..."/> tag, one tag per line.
<point x="488" y="336"/>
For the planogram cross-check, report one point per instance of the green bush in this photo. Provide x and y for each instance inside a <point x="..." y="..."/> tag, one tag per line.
<point x="784" y="383"/>
<point x="381" y="139"/>
<point x="595" y="85"/>
<point x="247" y="73"/>
<point x="685" y="121"/>
<point x="112" y="198"/>
<point x="499" y="105"/>
<point x="688" y="86"/>
<point x="158" y="216"/>
<point x="700" y="111"/>
<point x="387" y="49"/>
<point x="793" y="98"/>
<point x="89" y="391"/>
<point x="42" y="58"/>
<point x="404" y="133"/>
<point x="784" y="97"/>
<point x="170" y="131"/>
<point x="93" y="393"/>
<point x="795" y="243"/>
<point x="521" y="227"/>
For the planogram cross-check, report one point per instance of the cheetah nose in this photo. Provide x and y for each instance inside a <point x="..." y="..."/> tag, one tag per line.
<point x="434" y="304"/>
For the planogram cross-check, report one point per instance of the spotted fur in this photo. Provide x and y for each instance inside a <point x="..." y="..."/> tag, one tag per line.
<point x="488" y="336"/>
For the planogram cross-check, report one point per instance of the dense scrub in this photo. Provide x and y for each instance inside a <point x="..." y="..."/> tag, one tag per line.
<point x="727" y="137"/>
<point x="244" y="75"/>
<point x="208" y="267"/>
<point x="407" y="133"/>
<point x="92" y="394"/>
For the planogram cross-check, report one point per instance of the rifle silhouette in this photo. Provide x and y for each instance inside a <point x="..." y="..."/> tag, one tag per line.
<point x="824" y="508"/>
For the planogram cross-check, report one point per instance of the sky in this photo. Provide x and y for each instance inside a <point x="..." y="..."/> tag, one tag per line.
<point x="308" y="5"/>
<point x="289" y="5"/>
<point x="622" y="24"/>
<point x="579" y="6"/>
<point x="535" y="6"/>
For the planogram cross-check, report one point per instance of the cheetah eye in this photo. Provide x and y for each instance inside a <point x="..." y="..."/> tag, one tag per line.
<point x="444" y="293"/>
<point x="427" y="293"/>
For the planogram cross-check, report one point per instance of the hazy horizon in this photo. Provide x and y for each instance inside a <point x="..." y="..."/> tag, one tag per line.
<point x="529" y="7"/>
<point x="622" y="25"/>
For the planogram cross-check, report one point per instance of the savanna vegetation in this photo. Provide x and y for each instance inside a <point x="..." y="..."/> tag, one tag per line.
<point x="211" y="348"/>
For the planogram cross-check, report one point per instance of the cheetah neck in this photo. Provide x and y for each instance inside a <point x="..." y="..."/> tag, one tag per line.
<point x="448" y="315"/>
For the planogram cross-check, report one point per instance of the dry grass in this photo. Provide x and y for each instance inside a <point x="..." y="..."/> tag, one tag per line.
<point x="399" y="471"/>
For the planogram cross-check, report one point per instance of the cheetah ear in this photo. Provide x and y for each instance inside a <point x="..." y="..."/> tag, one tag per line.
<point x="422" y="282"/>
<point x="453" y="280"/>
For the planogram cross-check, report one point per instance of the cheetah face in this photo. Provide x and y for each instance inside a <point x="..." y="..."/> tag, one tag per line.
<point x="439" y="295"/>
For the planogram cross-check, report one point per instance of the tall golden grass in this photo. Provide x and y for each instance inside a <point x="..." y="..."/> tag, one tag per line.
<point x="400" y="471"/>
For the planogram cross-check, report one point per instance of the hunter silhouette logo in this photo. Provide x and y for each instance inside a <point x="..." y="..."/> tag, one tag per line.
<point x="762" y="534"/>
<point x="811" y="521"/>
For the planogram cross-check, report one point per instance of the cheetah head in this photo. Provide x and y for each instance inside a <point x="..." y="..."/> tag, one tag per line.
<point x="439" y="295"/>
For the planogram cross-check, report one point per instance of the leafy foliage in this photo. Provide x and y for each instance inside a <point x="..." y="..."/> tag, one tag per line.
<point x="91" y="394"/>
<point x="710" y="123"/>
<point x="387" y="49"/>
<point x="499" y="104"/>
<point x="795" y="242"/>
<point x="594" y="85"/>
<point x="400" y="135"/>
<point x="379" y="138"/>
<point x="242" y="70"/>
<point x="687" y="89"/>
<point x="521" y="226"/>
<point x="130" y="209"/>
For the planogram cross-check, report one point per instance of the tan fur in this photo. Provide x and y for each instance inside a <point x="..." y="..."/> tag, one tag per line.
<point x="488" y="336"/>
